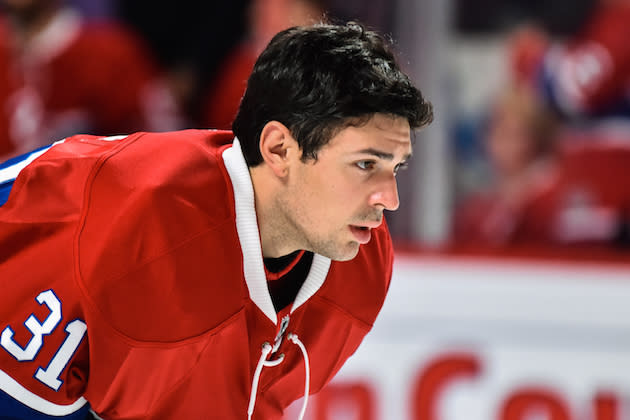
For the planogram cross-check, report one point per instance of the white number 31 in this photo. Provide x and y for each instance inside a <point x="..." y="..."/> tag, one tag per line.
<point x="76" y="330"/>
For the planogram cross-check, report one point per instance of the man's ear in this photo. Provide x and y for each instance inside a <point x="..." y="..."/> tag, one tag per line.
<point x="277" y="147"/>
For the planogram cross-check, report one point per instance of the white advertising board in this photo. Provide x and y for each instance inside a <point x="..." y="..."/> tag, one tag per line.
<point x="490" y="339"/>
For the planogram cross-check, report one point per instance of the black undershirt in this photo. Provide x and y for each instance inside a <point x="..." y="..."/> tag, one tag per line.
<point x="283" y="290"/>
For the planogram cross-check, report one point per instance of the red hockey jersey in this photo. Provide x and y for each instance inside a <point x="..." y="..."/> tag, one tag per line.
<point x="132" y="280"/>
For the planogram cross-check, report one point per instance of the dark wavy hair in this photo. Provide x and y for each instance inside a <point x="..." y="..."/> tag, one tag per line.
<point x="317" y="80"/>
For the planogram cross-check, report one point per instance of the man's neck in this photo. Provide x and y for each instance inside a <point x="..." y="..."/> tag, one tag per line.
<point x="275" y="231"/>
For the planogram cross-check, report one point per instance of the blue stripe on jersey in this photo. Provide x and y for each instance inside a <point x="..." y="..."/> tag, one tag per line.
<point x="9" y="170"/>
<point x="11" y="409"/>
<point x="5" y="189"/>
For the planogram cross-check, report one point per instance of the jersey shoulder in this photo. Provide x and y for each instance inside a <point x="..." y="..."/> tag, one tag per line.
<point x="160" y="187"/>
<point x="157" y="234"/>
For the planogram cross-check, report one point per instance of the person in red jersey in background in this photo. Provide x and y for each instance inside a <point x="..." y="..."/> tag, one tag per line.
<point x="64" y="75"/>
<point x="266" y="18"/>
<point x="209" y="274"/>
<point x="584" y="77"/>
<point x="520" y="144"/>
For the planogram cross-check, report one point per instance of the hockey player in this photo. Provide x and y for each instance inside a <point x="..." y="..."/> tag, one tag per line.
<point x="199" y="275"/>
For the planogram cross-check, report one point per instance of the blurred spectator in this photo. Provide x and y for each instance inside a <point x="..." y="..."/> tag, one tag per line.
<point x="586" y="77"/>
<point x="520" y="145"/>
<point x="552" y="187"/>
<point x="62" y="75"/>
<point x="266" y="18"/>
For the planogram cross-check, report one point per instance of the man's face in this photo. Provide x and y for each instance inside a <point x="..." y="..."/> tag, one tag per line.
<point x="333" y="202"/>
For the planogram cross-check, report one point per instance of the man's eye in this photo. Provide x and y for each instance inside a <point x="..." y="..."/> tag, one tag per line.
<point x="400" y="167"/>
<point x="365" y="165"/>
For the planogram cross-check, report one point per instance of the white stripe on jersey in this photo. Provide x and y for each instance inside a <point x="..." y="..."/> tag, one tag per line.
<point x="26" y="397"/>
<point x="114" y="138"/>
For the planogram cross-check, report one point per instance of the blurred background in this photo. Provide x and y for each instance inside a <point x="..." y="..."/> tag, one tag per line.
<point x="509" y="297"/>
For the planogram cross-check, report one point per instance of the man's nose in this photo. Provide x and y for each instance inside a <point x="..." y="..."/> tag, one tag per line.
<point x="386" y="194"/>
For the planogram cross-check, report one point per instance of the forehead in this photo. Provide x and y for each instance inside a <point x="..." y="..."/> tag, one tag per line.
<point x="390" y="133"/>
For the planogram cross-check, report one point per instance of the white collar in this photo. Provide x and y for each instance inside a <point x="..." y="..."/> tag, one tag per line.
<point x="247" y="228"/>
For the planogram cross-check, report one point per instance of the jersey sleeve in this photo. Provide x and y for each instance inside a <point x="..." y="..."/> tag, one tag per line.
<point x="43" y="350"/>
<point x="148" y="232"/>
<point x="151" y="228"/>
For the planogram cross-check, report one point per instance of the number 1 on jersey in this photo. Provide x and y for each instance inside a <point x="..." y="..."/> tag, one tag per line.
<point x="50" y="376"/>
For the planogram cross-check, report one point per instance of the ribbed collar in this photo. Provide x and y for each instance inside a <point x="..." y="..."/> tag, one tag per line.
<point x="249" y="238"/>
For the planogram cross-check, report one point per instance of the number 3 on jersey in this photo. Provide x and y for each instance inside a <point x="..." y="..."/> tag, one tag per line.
<point x="76" y="330"/>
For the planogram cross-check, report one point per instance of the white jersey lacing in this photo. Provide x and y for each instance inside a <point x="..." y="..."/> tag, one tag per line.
<point x="263" y="362"/>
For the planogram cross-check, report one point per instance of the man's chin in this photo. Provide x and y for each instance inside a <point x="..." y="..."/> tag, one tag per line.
<point x="346" y="254"/>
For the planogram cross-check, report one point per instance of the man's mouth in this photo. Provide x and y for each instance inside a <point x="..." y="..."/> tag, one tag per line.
<point x="361" y="233"/>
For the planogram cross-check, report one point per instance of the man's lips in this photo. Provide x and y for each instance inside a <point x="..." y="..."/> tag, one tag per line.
<point x="361" y="233"/>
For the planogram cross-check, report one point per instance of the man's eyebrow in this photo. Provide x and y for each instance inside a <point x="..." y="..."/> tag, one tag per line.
<point x="383" y="155"/>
